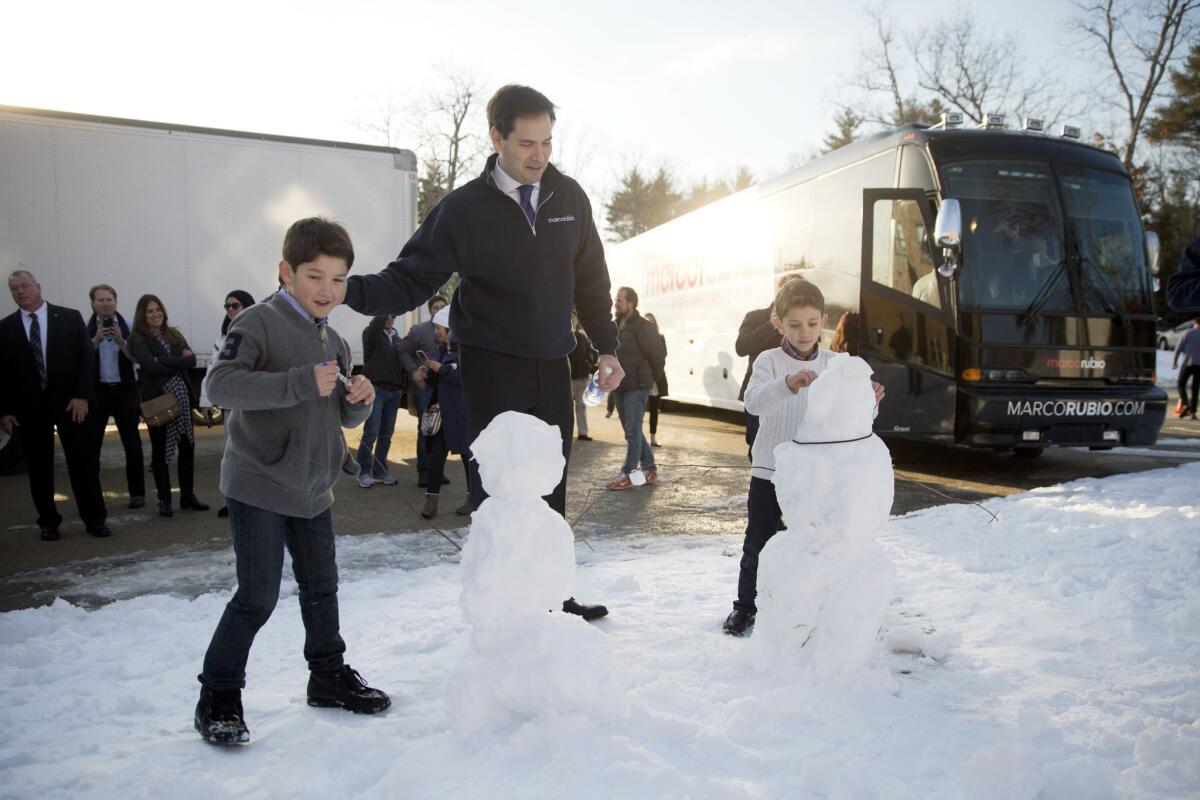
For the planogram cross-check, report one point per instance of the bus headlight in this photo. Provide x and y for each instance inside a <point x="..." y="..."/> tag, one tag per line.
<point x="996" y="375"/>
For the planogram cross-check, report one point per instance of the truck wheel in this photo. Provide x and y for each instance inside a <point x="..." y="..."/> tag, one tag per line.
<point x="200" y="416"/>
<point x="11" y="456"/>
<point x="1027" y="452"/>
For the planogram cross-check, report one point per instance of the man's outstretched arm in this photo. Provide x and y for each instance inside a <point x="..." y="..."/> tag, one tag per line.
<point x="423" y="266"/>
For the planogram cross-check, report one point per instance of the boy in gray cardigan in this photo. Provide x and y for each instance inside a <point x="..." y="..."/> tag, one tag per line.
<point x="283" y="373"/>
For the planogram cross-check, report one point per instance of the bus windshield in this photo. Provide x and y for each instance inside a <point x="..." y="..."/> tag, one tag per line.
<point x="1016" y="233"/>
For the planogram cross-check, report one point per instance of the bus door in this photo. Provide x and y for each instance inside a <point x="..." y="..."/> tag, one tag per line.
<point x="906" y="324"/>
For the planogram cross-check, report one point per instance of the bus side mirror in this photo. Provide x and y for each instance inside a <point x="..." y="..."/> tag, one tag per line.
<point x="947" y="232"/>
<point x="1152" y="248"/>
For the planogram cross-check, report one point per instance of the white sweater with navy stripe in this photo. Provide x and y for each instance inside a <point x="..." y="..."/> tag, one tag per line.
<point x="778" y="408"/>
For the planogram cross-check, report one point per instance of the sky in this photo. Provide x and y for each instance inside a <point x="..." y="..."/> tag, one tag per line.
<point x="701" y="87"/>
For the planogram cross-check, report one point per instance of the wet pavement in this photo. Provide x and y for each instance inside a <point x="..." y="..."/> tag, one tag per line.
<point x="703" y="476"/>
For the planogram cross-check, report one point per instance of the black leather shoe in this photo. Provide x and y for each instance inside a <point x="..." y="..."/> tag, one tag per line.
<point x="224" y="512"/>
<point x="164" y="508"/>
<point x="100" y="531"/>
<point x="739" y="622"/>
<point x="137" y="501"/>
<point x="589" y="613"/>
<point x="193" y="503"/>
<point x="345" y="688"/>
<point x="219" y="717"/>
<point x="49" y="532"/>
<point x="584" y="438"/>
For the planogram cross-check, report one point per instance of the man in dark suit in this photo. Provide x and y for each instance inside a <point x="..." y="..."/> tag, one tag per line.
<point x="117" y="393"/>
<point x="48" y="385"/>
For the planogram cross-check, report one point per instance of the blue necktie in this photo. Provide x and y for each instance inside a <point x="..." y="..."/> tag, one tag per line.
<point x="526" y="191"/>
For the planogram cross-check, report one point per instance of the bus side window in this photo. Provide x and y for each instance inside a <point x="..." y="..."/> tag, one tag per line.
<point x="902" y="256"/>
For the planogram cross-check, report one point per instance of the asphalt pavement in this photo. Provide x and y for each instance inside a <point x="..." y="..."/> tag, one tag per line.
<point x="703" y="475"/>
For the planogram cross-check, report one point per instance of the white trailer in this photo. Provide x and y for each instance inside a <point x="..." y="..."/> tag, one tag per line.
<point x="185" y="213"/>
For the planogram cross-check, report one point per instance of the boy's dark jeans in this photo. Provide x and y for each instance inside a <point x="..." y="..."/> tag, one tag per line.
<point x="764" y="520"/>
<point x="259" y="537"/>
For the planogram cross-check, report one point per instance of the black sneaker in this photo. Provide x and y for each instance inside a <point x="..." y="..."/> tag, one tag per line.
<point x="345" y="688"/>
<point x="49" y="532"/>
<point x="137" y="501"/>
<point x="739" y="622"/>
<point x="589" y="613"/>
<point x="100" y="531"/>
<point x="219" y="717"/>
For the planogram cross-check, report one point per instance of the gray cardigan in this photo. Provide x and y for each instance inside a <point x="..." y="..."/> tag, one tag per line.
<point x="284" y="448"/>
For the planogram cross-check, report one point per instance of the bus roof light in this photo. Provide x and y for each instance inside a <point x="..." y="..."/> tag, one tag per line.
<point x="1033" y="125"/>
<point x="1070" y="132"/>
<point x="952" y="119"/>
<point x="991" y="121"/>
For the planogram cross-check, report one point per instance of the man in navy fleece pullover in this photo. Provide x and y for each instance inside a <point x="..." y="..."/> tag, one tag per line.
<point x="522" y="239"/>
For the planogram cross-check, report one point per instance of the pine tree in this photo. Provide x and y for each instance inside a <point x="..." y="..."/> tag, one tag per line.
<point x="1178" y="122"/>
<point x="847" y="123"/>
<point x="640" y="204"/>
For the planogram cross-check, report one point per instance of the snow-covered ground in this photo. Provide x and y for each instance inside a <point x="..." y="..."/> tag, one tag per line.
<point x="1073" y="671"/>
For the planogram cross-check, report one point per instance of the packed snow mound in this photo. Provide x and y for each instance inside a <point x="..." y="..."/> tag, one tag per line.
<point x="525" y="657"/>
<point x="824" y="583"/>
<point x="519" y="456"/>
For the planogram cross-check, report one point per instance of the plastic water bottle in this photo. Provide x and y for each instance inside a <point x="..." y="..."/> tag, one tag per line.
<point x="593" y="394"/>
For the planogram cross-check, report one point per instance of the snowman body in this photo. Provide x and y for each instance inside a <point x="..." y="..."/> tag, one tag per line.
<point x="824" y="583"/>
<point x="524" y="656"/>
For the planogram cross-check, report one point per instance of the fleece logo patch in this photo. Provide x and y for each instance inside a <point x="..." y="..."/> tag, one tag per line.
<point x="567" y="218"/>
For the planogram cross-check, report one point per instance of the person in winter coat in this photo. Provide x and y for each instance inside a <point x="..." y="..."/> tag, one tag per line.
<point x="381" y="365"/>
<point x="236" y="302"/>
<point x="1183" y="288"/>
<point x="164" y="358"/>
<point x="583" y="364"/>
<point x="418" y="343"/>
<point x="1189" y="348"/>
<point x="641" y="357"/>
<point x="659" y="390"/>
<point x="452" y="436"/>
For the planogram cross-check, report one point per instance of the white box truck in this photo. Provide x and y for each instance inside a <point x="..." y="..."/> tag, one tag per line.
<point x="185" y="213"/>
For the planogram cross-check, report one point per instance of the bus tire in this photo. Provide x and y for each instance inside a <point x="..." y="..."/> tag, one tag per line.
<point x="1027" y="452"/>
<point x="11" y="455"/>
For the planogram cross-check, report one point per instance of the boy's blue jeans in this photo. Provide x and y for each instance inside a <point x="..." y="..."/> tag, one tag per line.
<point x="631" y="407"/>
<point x="259" y="538"/>
<point x="377" y="433"/>
<point x="764" y="520"/>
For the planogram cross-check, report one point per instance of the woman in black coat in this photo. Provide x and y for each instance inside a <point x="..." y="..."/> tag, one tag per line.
<point x="453" y="436"/>
<point x="164" y="358"/>
<point x="659" y="390"/>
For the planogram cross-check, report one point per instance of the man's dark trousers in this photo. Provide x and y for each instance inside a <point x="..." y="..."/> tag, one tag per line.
<point x="496" y="382"/>
<point x="121" y="402"/>
<point x="259" y="538"/>
<point x="37" y="423"/>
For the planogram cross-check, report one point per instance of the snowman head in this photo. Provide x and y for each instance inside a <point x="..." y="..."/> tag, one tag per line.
<point x="519" y="456"/>
<point x="841" y="402"/>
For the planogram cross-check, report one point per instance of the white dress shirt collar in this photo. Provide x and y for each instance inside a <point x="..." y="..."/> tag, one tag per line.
<point x="510" y="185"/>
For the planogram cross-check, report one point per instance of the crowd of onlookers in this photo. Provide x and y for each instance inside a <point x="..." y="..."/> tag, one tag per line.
<point x="72" y="375"/>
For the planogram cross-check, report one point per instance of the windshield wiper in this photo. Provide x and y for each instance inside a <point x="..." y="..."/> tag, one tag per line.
<point x="1104" y="287"/>
<point x="1043" y="296"/>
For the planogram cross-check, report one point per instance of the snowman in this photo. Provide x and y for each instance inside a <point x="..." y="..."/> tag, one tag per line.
<point x="824" y="583"/>
<point x="524" y="657"/>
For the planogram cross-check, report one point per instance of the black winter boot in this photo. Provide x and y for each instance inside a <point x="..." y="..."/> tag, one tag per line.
<point x="219" y="717"/>
<point x="739" y="622"/>
<point x="345" y="688"/>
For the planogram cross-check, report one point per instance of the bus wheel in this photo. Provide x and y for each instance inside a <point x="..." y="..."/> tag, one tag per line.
<point x="11" y="456"/>
<point x="1027" y="452"/>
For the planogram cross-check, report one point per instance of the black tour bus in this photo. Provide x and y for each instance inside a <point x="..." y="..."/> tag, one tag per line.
<point x="1002" y="283"/>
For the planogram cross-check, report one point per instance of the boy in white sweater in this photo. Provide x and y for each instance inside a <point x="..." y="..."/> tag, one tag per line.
<point x="777" y="396"/>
